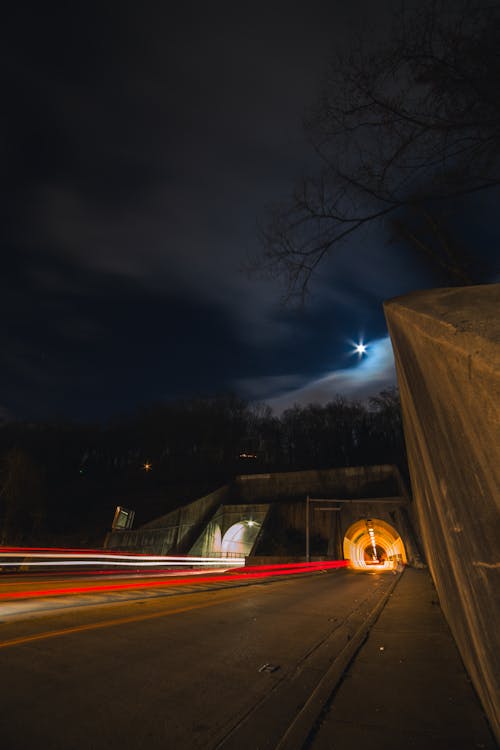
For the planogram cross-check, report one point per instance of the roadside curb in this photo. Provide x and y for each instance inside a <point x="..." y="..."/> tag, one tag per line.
<point x="298" y="731"/>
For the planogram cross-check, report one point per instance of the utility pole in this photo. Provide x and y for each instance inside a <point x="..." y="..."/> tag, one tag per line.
<point x="307" y="530"/>
<point x="310" y="500"/>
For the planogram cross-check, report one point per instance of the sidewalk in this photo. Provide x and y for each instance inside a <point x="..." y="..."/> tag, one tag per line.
<point x="407" y="686"/>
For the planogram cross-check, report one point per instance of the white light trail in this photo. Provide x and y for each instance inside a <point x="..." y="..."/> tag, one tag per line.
<point x="34" y="559"/>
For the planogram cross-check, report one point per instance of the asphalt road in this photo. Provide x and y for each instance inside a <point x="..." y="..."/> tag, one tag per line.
<point x="189" y="667"/>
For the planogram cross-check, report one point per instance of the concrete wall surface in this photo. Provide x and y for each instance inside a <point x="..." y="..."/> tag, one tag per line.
<point x="447" y="349"/>
<point x="194" y="527"/>
<point x="286" y="526"/>
<point x="348" y="481"/>
<point x="172" y="533"/>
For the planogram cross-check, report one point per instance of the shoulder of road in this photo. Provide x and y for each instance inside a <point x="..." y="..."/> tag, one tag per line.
<point x="406" y="686"/>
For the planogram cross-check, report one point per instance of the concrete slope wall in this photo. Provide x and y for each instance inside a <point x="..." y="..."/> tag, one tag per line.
<point x="173" y="533"/>
<point x="447" y="349"/>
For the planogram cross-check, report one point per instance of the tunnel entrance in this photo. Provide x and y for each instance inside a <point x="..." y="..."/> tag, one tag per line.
<point x="240" y="538"/>
<point x="371" y="543"/>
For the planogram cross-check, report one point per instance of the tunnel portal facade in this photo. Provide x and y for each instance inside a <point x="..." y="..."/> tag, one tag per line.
<point x="373" y="542"/>
<point x="326" y="514"/>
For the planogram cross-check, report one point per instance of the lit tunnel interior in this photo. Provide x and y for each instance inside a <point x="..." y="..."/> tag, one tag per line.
<point x="372" y="543"/>
<point x="240" y="538"/>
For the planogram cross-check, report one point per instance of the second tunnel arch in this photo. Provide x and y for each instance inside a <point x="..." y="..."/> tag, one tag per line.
<point x="372" y="541"/>
<point x="356" y="526"/>
<point x="233" y="530"/>
<point x="240" y="538"/>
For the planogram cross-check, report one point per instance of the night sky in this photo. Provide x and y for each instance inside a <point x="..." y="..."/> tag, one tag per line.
<point x="142" y="145"/>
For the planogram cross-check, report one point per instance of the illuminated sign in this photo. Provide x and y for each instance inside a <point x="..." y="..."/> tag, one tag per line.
<point x="124" y="518"/>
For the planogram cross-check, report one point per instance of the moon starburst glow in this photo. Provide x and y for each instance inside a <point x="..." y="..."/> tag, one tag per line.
<point x="359" y="347"/>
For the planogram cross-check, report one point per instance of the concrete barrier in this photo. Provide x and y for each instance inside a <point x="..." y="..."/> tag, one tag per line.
<point x="172" y="533"/>
<point x="447" y="349"/>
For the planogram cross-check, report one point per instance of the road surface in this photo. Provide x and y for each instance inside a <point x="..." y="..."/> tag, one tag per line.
<point x="185" y="667"/>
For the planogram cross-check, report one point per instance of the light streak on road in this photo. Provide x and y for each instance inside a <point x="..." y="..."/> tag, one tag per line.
<point x="52" y="557"/>
<point x="226" y="562"/>
<point x="248" y="574"/>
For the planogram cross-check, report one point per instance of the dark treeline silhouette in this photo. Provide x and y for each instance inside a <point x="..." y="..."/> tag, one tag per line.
<point x="61" y="482"/>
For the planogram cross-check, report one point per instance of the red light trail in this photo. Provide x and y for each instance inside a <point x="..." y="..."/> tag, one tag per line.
<point x="245" y="573"/>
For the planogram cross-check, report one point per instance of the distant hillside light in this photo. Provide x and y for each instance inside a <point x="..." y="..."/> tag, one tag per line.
<point x="147" y="466"/>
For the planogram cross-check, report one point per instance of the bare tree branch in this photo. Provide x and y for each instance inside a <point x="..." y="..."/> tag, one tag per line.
<point x="404" y="126"/>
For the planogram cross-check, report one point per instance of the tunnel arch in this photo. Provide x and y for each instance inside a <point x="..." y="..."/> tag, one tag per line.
<point x="372" y="542"/>
<point x="240" y="538"/>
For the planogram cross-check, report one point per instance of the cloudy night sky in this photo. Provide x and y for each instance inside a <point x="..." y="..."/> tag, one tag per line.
<point x="142" y="146"/>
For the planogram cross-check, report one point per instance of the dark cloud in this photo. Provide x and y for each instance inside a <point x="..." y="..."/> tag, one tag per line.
<point x="372" y="374"/>
<point x="142" y="145"/>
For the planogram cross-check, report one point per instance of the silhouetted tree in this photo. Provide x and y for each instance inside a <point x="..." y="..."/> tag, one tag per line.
<point x="398" y="130"/>
<point x="385" y="429"/>
<point x="22" y="498"/>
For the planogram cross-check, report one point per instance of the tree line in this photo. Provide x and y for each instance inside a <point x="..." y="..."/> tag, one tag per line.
<point x="62" y="481"/>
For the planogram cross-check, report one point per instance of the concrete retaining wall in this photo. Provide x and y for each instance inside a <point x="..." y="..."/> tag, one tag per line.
<point x="447" y="349"/>
<point x="172" y="533"/>
<point x="350" y="481"/>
